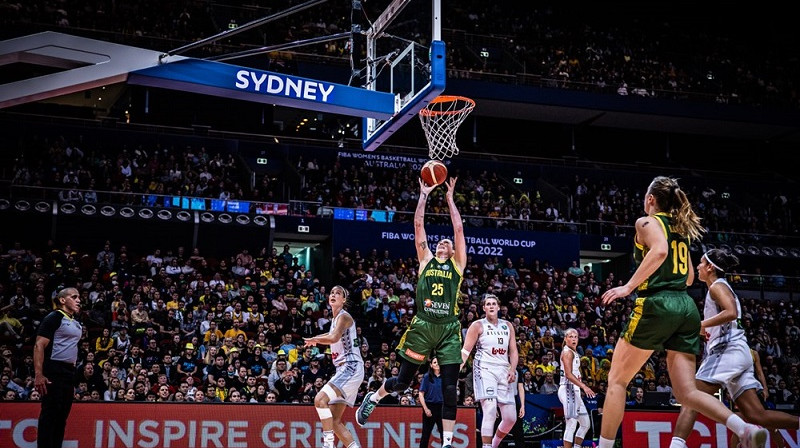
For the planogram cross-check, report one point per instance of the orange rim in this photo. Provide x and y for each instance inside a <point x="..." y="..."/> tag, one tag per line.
<point x="426" y="111"/>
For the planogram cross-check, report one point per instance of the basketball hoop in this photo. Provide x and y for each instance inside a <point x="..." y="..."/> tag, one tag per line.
<point x="440" y="120"/>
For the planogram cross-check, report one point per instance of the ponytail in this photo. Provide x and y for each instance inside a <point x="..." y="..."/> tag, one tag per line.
<point x="671" y="198"/>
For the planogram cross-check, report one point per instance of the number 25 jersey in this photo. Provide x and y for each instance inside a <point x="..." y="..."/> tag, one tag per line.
<point x="437" y="291"/>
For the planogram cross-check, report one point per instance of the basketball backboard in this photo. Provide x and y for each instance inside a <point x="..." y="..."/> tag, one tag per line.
<point x="400" y="70"/>
<point x="404" y="61"/>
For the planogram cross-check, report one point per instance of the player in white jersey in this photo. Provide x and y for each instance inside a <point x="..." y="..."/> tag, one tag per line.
<point x="569" y="392"/>
<point x="342" y="388"/>
<point x="727" y="361"/>
<point x="494" y="370"/>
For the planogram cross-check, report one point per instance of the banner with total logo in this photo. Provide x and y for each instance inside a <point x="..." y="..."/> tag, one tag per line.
<point x="653" y="429"/>
<point x="173" y="425"/>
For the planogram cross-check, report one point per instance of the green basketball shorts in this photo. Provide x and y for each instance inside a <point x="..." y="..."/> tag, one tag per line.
<point x="667" y="320"/>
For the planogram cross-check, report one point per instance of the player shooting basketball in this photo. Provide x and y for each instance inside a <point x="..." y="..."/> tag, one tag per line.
<point x="435" y="326"/>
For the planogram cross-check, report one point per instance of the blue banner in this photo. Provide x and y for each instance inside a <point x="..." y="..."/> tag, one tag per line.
<point x="557" y="248"/>
<point x="543" y="410"/>
<point x="233" y="81"/>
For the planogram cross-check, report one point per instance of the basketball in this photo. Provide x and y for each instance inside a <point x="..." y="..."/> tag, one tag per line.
<point x="433" y="172"/>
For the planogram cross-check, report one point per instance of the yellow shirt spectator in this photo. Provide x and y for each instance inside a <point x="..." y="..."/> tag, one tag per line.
<point x="234" y="332"/>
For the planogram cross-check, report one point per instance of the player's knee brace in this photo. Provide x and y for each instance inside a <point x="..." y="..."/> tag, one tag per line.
<point x="583" y="420"/>
<point x="450" y="396"/>
<point x="489" y="407"/>
<point x="569" y="429"/>
<point x="393" y="385"/>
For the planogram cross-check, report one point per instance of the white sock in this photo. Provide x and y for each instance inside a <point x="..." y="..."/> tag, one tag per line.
<point x="447" y="438"/>
<point x="375" y="398"/>
<point x="353" y="444"/>
<point x="327" y="439"/>
<point x="487" y="445"/>
<point x="496" y="440"/>
<point x="736" y="424"/>
<point x="677" y="442"/>
<point x="605" y="443"/>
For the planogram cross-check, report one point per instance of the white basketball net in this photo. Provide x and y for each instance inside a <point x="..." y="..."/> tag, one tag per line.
<point x="440" y="120"/>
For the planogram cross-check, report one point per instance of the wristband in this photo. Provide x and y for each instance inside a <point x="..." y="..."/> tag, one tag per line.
<point x="465" y="352"/>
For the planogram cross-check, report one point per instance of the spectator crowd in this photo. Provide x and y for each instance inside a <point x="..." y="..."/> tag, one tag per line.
<point x="717" y="55"/>
<point x="174" y="325"/>
<point x="80" y="169"/>
<point x="170" y="324"/>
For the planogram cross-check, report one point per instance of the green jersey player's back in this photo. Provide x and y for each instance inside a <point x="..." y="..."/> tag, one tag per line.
<point x="674" y="271"/>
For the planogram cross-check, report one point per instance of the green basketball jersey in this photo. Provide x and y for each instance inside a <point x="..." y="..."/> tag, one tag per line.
<point x="437" y="291"/>
<point x="673" y="272"/>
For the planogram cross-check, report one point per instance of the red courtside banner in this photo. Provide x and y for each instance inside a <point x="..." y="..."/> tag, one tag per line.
<point x="652" y="429"/>
<point x="168" y="425"/>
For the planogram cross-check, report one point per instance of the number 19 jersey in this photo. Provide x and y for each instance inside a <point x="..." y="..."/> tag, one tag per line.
<point x="673" y="272"/>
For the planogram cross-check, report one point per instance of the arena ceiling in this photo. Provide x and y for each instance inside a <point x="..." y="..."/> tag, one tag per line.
<point x="48" y="67"/>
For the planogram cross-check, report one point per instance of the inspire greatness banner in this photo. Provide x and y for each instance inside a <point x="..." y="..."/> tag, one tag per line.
<point x="557" y="248"/>
<point x="168" y="425"/>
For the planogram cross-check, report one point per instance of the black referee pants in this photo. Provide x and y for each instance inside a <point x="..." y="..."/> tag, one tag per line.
<point x="56" y="404"/>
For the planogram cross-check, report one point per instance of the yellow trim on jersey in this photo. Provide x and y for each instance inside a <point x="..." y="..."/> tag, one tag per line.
<point x="458" y="287"/>
<point x="405" y="333"/>
<point x="455" y="265"/>
<point x="639" y="245"/>
<point x="661" y="223"/>
<point x="637" y="315"/>
<point x="460" y="275"/>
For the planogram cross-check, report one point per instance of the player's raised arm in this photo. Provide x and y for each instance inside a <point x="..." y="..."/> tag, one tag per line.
<point x="460" y="256"/>
<point x="424" y="253"/>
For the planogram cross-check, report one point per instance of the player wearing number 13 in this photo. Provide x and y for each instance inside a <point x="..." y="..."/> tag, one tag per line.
<point x="664" y="317"/>
<point x="494" y="371"/>
<point x="435" y="327"/>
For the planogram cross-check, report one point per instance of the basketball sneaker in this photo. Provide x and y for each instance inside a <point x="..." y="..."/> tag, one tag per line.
<point x="364" y="411"/>
<point x="754" y="437"/>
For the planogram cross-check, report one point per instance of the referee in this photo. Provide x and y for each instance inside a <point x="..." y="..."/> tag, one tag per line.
<point x="54" y="357"/>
